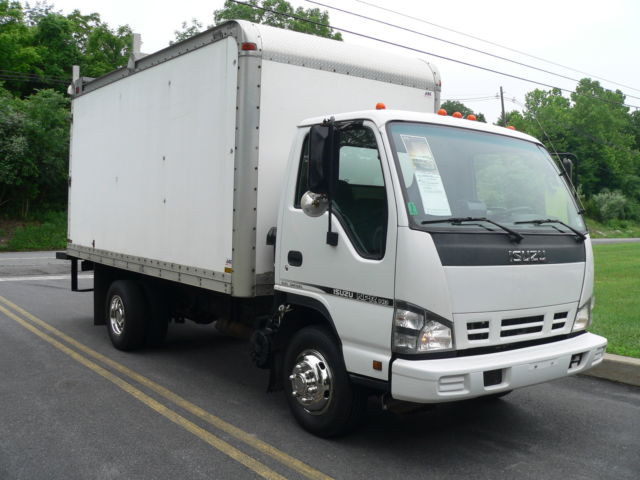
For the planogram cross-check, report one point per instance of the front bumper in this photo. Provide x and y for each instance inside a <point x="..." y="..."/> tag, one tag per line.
<point x="450" y="379"/>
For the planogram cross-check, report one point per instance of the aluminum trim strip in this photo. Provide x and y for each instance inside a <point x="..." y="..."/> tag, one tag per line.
<point x="188" y="275"/>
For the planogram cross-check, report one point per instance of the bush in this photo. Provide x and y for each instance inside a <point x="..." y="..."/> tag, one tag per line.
<point x="607" y="206"/>
<point x="48" y="233"/>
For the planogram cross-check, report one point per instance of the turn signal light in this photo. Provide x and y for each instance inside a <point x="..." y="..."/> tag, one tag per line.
<point x="456" y="115"/>
<point x="471" y="116"/>
<point x="380" y="106"/>
<point x="442" y="111"/>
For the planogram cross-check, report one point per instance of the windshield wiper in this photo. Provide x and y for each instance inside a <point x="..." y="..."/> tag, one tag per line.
<point x="579" y="234"/>
<point x="460" y="220"/>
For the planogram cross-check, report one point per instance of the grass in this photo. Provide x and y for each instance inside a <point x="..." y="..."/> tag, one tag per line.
<point x="47" y="231"/>
<point x="617" y="290"/>
<point x="613" y="229"/>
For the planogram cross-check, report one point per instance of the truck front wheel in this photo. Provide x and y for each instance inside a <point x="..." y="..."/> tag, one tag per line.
<point x="126" y="313"/>
<point x="320" y="395"/>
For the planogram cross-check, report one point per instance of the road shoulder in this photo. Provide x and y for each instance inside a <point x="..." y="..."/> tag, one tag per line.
<point x="618" y="369"/>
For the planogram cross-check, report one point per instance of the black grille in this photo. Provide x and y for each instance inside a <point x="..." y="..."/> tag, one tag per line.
<point x="478" y="336"/>
<point x="477" y="325"/>
<point x="507" y="322"/>
<point x="472" y="330"/>
<point x="520" y="331"/>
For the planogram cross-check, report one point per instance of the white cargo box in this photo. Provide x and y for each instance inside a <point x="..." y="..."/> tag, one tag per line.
<point x="176" y="163"/>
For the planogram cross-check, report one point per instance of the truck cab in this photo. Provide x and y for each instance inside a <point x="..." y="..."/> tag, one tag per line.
<point x="444" y="258"/>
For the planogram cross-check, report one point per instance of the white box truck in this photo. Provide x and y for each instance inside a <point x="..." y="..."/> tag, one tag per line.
<point x="390" y="251"/>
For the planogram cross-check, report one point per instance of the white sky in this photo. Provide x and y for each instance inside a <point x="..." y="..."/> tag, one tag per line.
<point x="600" y="38"/>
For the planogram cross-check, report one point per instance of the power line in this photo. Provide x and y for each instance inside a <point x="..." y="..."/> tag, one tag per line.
<point x="58" y="77"/>
<point x="471" y="99"/>
<point x="406" y="47"/>
<point x="405" y="29"/>
<point x="495" y="44"/>
<point x="30" y="77"/>
<point x="30" y="80"/>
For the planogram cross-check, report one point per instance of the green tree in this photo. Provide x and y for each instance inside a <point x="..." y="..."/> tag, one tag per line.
<point x="452" y="106"/>
<point x="514" y="119"/>
<point x="16" y="171"/>
<point x="106" y="49"/>
<point x="46" y="129"/>
<point x="311" y="20"/>
<point x="34" y="147"/>
<point x="547" y="117"/>
<point x="53" y="40"/>
<point x="594" y="125"/>
<point x="39" y="45"/>
<point x="18" y="55"/>
<point x="602" y="139"/>
<point x="187" y="30"/>
<point x="635" y="128"/>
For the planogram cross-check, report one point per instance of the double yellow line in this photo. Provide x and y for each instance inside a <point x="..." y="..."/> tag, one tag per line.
<point x="38" y="327"/>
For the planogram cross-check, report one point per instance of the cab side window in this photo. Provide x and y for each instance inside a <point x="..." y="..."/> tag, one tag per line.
<point x="360" y="199"/>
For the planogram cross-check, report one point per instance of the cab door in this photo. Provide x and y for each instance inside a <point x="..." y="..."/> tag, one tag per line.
<point x="353" y="280"/>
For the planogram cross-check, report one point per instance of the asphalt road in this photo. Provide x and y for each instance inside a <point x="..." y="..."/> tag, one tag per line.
<point x="72" y="407"/>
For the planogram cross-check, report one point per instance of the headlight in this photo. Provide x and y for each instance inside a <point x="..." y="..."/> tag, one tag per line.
<point x="419" y="331"/>
<point x="583" y="316"/>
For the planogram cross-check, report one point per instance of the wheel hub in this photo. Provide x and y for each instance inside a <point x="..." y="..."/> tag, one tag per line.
<point x="116" y="314"/>
<point x="311" y="382"/>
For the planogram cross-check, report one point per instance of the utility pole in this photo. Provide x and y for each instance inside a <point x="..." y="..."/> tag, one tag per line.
<point x="504" y="117"/>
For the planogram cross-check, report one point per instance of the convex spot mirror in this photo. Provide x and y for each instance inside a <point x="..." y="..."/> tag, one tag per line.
<point x="314" y="204"/>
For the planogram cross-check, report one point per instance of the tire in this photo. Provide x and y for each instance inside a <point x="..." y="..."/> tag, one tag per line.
<point x="126" y="315"/>
<point x="157" y="320"/>
<point x="317" y="387"/>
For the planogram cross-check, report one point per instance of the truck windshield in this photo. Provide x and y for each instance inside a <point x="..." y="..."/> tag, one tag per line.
<point x="450" y="172"/>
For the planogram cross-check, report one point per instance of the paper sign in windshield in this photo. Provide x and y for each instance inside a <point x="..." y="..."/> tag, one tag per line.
<point x="432" y="192"/>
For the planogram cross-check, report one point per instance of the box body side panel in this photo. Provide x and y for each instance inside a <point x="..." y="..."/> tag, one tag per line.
<point x="153" y="161"/>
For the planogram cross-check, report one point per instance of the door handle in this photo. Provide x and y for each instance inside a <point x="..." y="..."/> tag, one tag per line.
<point x="294" y="258"/>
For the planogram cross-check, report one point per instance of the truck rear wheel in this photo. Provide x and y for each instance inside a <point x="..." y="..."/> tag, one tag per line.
<point x="126" y="312"/>
<point x="157" y="321"/>
<point x="320" y="395"/>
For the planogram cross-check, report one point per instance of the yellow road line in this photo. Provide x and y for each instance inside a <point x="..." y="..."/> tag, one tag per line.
<point x="246" y="460"/>
<point x="217" y="422"/>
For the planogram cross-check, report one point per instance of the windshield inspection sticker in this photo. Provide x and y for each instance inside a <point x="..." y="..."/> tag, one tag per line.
<point x="428" y="179"/>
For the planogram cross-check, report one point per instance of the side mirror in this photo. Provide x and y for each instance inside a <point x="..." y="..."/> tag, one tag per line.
<point x="324" y="143"/>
